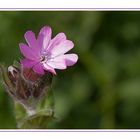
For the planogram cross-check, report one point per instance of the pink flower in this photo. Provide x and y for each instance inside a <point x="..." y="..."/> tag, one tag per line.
<point x="46" y="54"/>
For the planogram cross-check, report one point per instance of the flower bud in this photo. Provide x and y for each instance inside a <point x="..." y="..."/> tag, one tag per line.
<point x="12" y="73"/>
<point x="28" y="89"/>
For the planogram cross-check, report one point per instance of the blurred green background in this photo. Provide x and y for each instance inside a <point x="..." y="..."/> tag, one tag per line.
<point x="103" y="89"/>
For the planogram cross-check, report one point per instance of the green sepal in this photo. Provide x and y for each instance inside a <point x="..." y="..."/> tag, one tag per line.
<point x="39" y="117"/>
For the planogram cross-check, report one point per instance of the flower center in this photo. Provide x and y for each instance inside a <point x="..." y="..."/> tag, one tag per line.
<point x="43" y="58"/>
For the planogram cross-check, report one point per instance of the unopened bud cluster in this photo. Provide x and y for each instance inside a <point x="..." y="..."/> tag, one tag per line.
<point x="25" y="86"/>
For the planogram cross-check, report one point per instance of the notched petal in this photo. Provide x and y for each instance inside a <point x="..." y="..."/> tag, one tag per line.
<point x="28" y="52"/>
<point x="30" y="38"/>
<point x="71" y="59"/>
<point x="44" y="36"/>
<point x="61" y="48"/>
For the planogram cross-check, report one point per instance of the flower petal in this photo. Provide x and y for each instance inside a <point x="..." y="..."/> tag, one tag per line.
<point x="40" y="41"/>
<point x="61" y="48"/>
<point x="28" y="63"/>
<point x="48" y="68"/>
<point x="38" y="68"/>
<point x="28" y="52"/>
<point x="70" y="59"/>
<point x="30" y="38"/>
<point x="57" y="62"/>
<point x="57" y="39"/>
<point x="44" y="37"/>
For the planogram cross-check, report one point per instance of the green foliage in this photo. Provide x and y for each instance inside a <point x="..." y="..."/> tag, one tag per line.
<point x="102" y="90"/>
